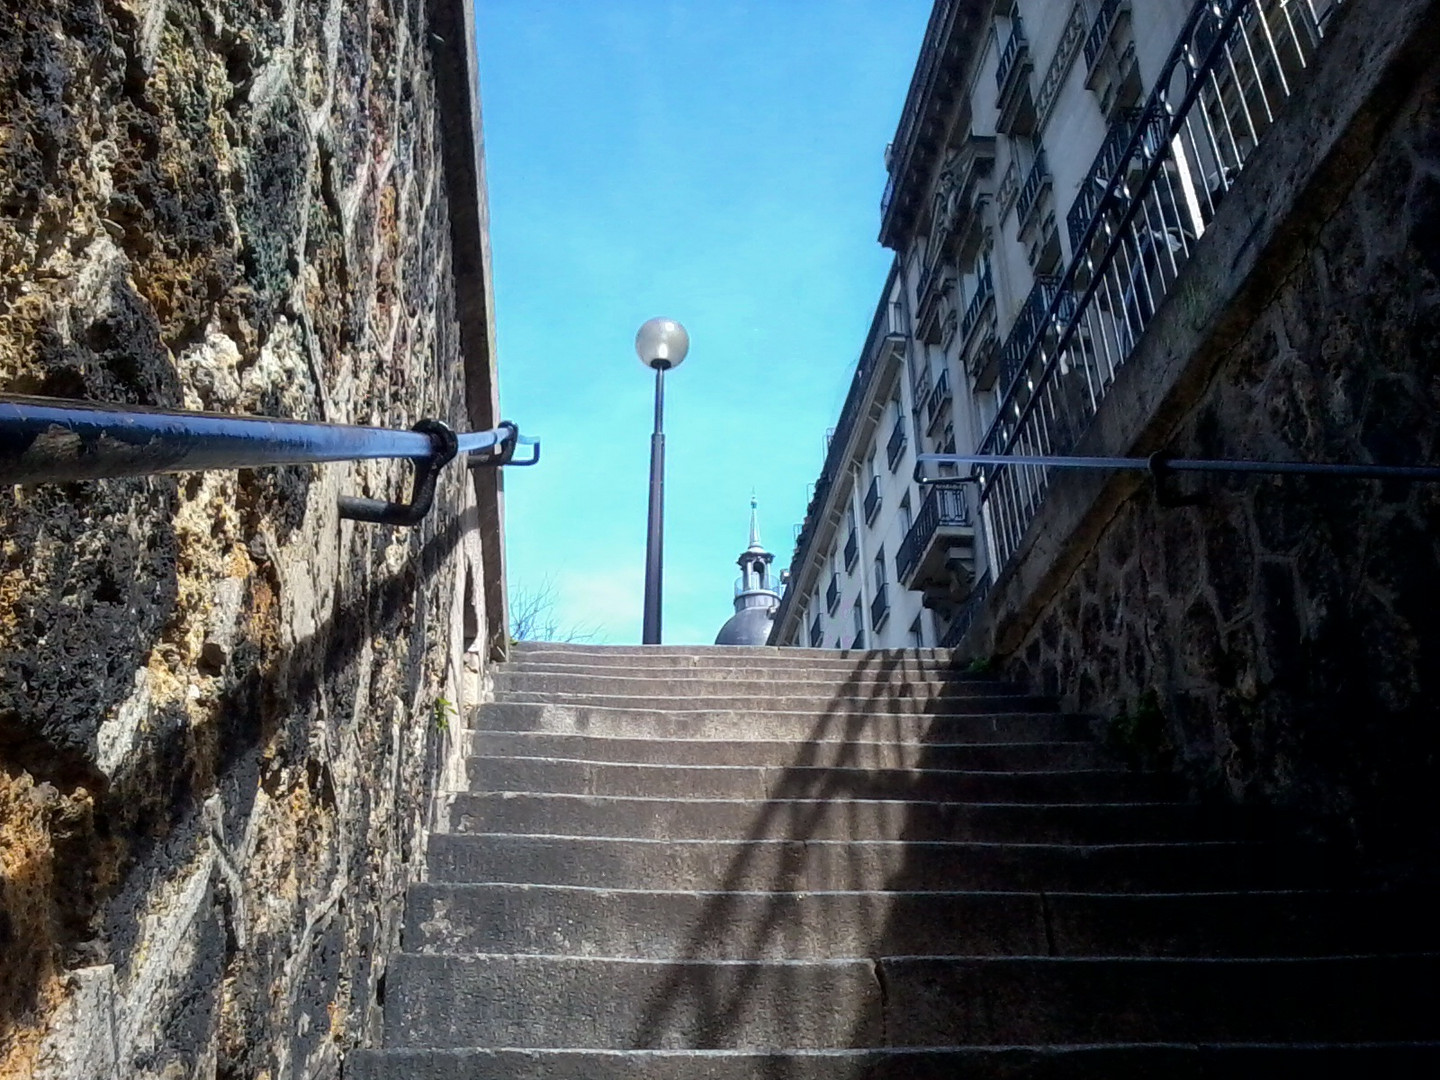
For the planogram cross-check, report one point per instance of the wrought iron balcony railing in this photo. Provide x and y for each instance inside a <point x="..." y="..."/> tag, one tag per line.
<point x="832" y="594"/>
<point x="984" y="294"/>
<point x="939" y="398"/>
<point x="942" y="507"/>
<point x="1232" y="68"/>
<point x="852" y="550"/>
<point x="1100" y="29"/>
<point x="872" y="499"/>
<point x="965" y="617"/>
<point x="1037" y="180"/>
<point x="895" y="446"/>
<point x="879" y="606"/>
<point x="1016" y="48"/>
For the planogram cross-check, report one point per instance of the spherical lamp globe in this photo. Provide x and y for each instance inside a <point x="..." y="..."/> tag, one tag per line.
<point x="662" y="343"/>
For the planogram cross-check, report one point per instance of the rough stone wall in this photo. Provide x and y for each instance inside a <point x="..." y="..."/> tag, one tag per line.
<point x="1280" y="639"/>
<point x="220" y="707"/>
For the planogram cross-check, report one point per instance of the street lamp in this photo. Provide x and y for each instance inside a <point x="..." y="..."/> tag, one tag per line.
<point x="661" y="344"/>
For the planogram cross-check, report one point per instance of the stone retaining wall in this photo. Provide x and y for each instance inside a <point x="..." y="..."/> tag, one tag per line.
<point x="221" y="708"/>
<point x="1278" y="638"/>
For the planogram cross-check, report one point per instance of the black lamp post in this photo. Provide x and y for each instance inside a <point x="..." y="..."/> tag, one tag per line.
<point x="662" y="345"/>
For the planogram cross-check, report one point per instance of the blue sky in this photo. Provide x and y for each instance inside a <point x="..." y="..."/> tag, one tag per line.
<point x="720" y="163"/>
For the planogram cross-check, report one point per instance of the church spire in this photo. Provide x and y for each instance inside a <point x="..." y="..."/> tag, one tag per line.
<point x="755" y="524"/>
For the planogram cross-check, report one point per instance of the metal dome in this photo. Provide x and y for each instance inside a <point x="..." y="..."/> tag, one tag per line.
<point x="749" y="626"/>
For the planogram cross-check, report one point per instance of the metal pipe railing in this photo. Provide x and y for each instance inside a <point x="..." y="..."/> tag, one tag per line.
<point x="53" y="440"/>
<point x="1160" y="464"/>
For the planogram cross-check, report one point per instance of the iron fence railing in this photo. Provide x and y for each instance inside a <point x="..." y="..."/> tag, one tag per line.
<point x="1096" y="184"/>
<point x="1233" y="66"/>
<point x="1026" y="328"/>
<point x="943" y="507"/>
<point x="964" y="618"/>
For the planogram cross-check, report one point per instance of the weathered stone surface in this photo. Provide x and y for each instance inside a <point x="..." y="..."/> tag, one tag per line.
<point x="216" y="700"/>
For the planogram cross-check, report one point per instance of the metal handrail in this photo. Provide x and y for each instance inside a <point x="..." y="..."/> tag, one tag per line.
<point x="54" y="440"/>
<point x="1162" y="464"/>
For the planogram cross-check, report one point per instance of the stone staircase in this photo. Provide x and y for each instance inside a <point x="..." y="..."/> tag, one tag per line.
<point x="758" y="864"/>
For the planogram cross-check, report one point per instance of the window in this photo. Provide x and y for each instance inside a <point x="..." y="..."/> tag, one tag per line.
<point x="857" y="617"/>
<point x="880" y="568"/>
<point x="917" y="635"/>
<point x="906" y="517"/>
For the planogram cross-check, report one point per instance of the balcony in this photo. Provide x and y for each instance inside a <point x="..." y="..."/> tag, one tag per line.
<point x="961" y="195"/>
<point x="1012" y="81"/>
<point x="938" y="401"/>
<point x="879" y="607"/>
<point x="1037" y="182"/>
<point x="872" y="505"/>
<point x="981" y="303"/>
<point x="936" y="280"/>
<point x="944" y="524"/>
<point x="852" y="550"/>
<point x="895" y="447"/>
<point x="1102" y="30"/>
<point x="816" y="636"/>
<point x="832" y="594"/>
<point x="1027" y="328"/>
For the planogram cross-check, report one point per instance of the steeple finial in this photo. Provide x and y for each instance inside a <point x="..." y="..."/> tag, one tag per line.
<point x="754" y="521"/>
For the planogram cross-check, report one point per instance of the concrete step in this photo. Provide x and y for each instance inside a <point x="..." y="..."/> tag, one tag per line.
<point x="817" y="706"/>
<point x="1320" y="1061"/>
<point x="586" y="921"/>
<point x="868" y="865"/>
<point x="761" y="782"/>
<point x="822" y="670"/>
<point x="1017" y="725"/>
<point x="518" y="1001"/>
<point x="509" y="684"/>
<point x="982" y="755"/>
<point x="599" y="655"/>
<point x="836" y="819"/>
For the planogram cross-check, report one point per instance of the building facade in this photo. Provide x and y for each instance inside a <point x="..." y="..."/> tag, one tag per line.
<point x="1054" y="167"/>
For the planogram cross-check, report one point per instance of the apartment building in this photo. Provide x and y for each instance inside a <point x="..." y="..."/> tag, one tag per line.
<point x="1054" y="166"/>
